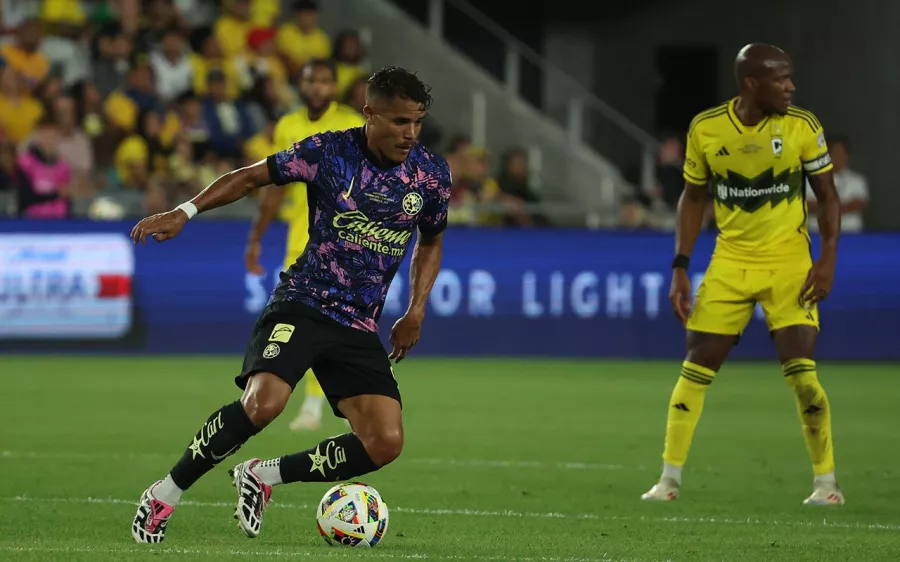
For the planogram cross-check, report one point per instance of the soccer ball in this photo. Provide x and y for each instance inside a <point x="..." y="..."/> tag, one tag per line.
<point x="352" y="514"/>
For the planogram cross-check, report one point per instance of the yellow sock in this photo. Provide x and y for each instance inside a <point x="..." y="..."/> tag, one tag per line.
<point x="814" y="410"/>
<point x="685" y="407"/>
<point x="313" y="388"/>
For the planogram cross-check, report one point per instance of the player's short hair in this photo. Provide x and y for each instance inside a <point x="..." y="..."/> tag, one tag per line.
<point x="324" y="63"/>
<point x="395" y="82"/>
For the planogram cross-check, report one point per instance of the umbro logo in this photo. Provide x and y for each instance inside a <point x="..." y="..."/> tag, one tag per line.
<point x="723" y="152"/>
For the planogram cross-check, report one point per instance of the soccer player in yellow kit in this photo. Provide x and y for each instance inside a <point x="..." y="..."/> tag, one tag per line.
<point x="755" y="151"/>
<point x="320" y="113"/>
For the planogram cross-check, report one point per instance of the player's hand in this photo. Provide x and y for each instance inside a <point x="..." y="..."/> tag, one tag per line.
<point x="251" y="257"/>
<point x="405" y="335"/>
<point x="162" y="226"/>
<point x="818" y="283"/>
<point x="680" y="294"/>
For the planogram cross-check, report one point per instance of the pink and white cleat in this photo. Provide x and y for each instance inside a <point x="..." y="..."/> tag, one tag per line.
<point x="149" y="525"/>
<point x="253" y="496"/>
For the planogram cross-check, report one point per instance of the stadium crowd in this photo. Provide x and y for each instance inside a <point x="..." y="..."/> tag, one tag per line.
<point x="114" y="108"/>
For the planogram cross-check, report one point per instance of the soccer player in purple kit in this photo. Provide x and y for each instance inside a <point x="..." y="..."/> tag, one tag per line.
<point x="369" y="189"/>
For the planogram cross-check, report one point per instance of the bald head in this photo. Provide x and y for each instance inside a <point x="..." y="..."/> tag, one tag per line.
<point x="763" y="73"/>
<point x="757" y="60"/>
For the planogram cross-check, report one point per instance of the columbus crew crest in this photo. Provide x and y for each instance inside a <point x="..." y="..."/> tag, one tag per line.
<point x="412" y="203"/>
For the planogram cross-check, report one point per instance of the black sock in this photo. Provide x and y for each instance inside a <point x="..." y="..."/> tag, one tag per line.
<point x="222" y="434"/>
<point x="336" y="458"/>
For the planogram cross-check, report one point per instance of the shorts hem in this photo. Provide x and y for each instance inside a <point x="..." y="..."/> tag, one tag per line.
<point x="333" y="402"/>
<point x="777" y="327"/>
<point x="241" y="380"/>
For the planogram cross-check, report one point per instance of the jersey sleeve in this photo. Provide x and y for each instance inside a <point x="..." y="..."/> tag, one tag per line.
<point x="814" y="155"/>
<point x="434" y="212"/>
<point x="696" y="169"/>
<point x="298" y="163"/>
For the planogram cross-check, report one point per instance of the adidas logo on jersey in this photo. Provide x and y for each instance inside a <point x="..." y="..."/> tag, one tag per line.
<point x="723" y="152"/>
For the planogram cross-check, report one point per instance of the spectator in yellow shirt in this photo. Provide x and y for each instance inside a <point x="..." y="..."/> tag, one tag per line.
<point x="210" y="59"/>
<point x="264" y="12"/>
<point x="348" y="54"/>
<point x="19" y="110"/>
<point x="63" y="11"/>
<point x="24" y="55"/>
<point x="302" y="39"/>
<point x="232" y="28"/>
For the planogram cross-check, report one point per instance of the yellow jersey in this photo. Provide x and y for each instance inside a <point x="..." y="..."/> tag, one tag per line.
<point x="294" y="127"/>
<point x="757" y="180"/>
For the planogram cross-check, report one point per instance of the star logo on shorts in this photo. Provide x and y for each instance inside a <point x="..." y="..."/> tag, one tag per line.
<point x="318" y="461"/>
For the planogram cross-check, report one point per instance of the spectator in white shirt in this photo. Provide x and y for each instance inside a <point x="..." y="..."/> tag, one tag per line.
<point x="172" y="67"/>
<point x="852" y="189"/>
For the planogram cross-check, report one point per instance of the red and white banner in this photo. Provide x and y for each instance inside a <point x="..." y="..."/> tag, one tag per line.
<point x="72" y="286"/>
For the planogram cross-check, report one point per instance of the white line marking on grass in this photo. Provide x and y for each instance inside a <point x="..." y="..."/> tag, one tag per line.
<point x="339" y="553"/>
<point x="511" y="513"/>
<point x="487" y="463"/>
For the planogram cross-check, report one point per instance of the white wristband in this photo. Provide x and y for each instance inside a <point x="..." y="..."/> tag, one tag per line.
<point x="189" y="208"/>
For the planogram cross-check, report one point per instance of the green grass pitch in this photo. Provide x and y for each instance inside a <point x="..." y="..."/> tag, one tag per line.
<point x="505" y="460"/>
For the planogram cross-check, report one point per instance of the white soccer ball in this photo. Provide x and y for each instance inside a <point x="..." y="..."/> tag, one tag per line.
<point x="352" y="514"/>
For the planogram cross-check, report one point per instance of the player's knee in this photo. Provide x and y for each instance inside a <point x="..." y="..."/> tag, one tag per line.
<point x="384" y="444"/>
<point x="709" y="350"/>
<point x="265" y="398"/>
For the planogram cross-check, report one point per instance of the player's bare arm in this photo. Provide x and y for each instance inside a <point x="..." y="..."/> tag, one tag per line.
<point x="828" y="213"/>
<point x="226" y="189"/>
<point x="269" y="202"/>
<point x="423" y="271"/>
<point x="688" y="222"/>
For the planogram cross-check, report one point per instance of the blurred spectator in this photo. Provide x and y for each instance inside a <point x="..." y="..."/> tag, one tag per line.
<point x="263" y="104"/>
<point x="852" y="188"/>
<point x="232" y="28"/>
<point x="515" y="185"/>
<point x="198" y="13"/>
<point x="669" y="170"/>
<point x="301" y="38"/>
<point x="172" y="67"/>
<point x="263" y="13"/>
<point x="23" y="54"/>
<point x="67" y="12"/>
<point x="210" y="59"/>
<point x="124" y="105"/>
<point x="133" y="156"/>
<point x="229" y="121"/>
<point x="473" y="188"/>
<point x="193" y="128"/>
<point x="159" y="18"/>
<point x="355" y="96"/>
<point x="20" y="111"/>
<point x="112" y="59"/>
<point x="266" y="63"/>
<point x="74" y="147"/>
<point x="14" y="13"/>
<point x="42" y="176"/>
<point x="348" y="56"/>
<point x="457" y="156"/>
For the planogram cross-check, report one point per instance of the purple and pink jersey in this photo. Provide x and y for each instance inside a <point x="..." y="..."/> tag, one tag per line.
<point x="362" y="219"/>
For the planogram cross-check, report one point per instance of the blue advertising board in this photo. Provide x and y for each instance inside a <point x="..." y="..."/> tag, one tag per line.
<point x="559" y="293"/>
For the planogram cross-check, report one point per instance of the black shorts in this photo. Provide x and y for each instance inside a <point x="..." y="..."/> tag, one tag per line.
<point x="290" y="338"/>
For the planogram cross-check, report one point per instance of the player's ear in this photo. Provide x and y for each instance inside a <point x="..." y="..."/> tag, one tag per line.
<point x="368" y="113"/>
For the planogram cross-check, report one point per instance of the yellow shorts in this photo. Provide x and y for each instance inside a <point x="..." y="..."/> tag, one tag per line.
<point x="728" y="294"/>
